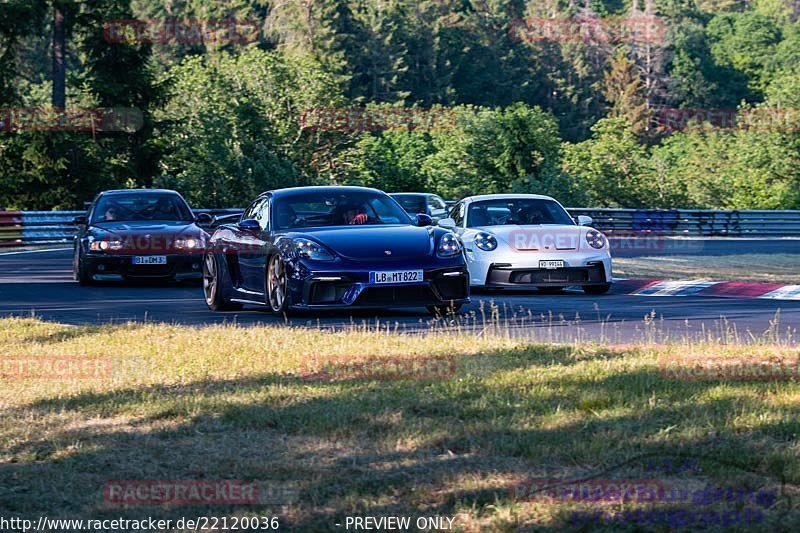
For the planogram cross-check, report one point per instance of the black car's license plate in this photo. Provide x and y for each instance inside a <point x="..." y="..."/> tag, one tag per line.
<point x="150" y="260"/>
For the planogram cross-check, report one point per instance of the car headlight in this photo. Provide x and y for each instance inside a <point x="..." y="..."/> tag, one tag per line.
<point x="308" y="249"/>
<point x="595" y="239"/>
<point x="192" y="243"/>
<point x="485" y="241"/>
<point x="449" y="246"/>
<point x="103" y="245"/>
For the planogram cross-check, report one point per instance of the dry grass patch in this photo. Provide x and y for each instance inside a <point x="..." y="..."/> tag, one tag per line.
<point x="225" y="402"/>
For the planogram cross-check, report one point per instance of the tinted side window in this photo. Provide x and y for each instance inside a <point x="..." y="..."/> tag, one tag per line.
<point x="250" y="212"/>
<point x="436" y="202"/>
<point x="262" y="214"/>
<point x="457" y="214"/>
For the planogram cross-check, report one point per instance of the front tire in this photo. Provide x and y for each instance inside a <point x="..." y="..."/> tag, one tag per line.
<point x="212" y="287"/>
<point x="597" y="289"/>
<point x="79" y="272"/>
<point x="277" y="285"/>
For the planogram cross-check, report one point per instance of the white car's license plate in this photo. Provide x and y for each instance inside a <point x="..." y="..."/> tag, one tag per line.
<point x="551" y="264"/>
<point x="150" y="260"/>
<point x="400" y="276"/>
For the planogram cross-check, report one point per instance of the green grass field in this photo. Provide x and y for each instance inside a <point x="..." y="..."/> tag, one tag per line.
<point x="226" y="402"/>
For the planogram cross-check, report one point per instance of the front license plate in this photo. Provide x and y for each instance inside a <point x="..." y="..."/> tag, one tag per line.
<point x="150" y="260"/>
<point x="551" y="264"/>
<point x="401" y="276"/>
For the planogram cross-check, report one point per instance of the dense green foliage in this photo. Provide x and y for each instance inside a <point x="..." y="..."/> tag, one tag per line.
<point x="575" y="119"/>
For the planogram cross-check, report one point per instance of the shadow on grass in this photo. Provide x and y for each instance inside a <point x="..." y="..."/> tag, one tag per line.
<point x="77" y="332"/>
<point x="418" y="448"/>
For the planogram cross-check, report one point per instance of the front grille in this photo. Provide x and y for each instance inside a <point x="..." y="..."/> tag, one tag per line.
<point x="407" y="294"/>
<point x="327" y="293"/>
<point x="452" y="288"/>
<point x="594" y="273"/>
<point x="150" y="270"/>
<point x="566" y="275"/>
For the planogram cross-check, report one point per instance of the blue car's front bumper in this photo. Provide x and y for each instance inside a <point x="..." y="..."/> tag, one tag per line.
<point x="348" y="285"/>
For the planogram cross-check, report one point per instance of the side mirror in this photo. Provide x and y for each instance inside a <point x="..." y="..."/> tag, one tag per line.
<point x="583" y="220"/>
<point x="204" y="218"/>
<point x="448" y="223"/>
<point x="424" y="220"/>
<point x="249" y="225"/>
<point x="80" y="220"/>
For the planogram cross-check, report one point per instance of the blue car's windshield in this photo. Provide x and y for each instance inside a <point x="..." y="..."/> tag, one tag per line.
<point x="522" y="211"/>
<point x="321" y="209"/>
<point x="134" y="207"/>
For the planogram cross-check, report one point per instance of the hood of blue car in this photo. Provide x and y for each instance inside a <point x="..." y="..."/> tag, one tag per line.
<point x="376" y="242"/>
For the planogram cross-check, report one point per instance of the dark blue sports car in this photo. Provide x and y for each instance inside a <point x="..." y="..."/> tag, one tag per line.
<point x="333" y="247"/>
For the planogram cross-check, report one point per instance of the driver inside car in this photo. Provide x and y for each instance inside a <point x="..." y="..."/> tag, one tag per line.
<point x="354" y="214"/>
<point x="165" y="210"/>
<point x="110" y="214"/>
<point x="286" y="216"/>
<point x="530" y="215"/>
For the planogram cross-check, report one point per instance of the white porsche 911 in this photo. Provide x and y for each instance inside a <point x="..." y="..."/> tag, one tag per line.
<point x="522" y="241"/>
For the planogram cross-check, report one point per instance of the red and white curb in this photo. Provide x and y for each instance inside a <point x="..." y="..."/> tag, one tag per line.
<point x="718" y="289"/>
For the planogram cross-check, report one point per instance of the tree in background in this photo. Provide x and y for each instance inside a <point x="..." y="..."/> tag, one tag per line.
<point x="231" y="126"/>
<point x="497" y="150"/>
<point x="624" y="90"/>
<point x="391" y="160"/>
<point x="211" y="127"/>
<point x="46" y="169"/>
<point x="613" y="168"/>
<point x="746" y="43"/>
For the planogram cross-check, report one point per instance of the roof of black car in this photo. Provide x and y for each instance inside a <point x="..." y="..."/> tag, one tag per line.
<point x="334" y="189"/>
<point x="140" y="191"/>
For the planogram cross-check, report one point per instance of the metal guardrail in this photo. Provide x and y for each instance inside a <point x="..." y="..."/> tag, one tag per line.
<point x="51" y="227"/>
<point x="18" y="228"/>
<point x="695" y="223"/>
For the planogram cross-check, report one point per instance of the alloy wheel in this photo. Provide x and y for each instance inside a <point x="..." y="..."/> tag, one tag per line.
<point x="276" y="283"/>
<point x="210" y="282"/>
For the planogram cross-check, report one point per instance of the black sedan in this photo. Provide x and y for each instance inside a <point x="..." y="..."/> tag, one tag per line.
<point x="332" y="248"/>
<point x="422" y="202"/>
<point x="139" y="234"/>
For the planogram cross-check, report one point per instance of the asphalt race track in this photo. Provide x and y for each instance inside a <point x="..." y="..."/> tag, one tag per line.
<point x="40" y="284"/>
